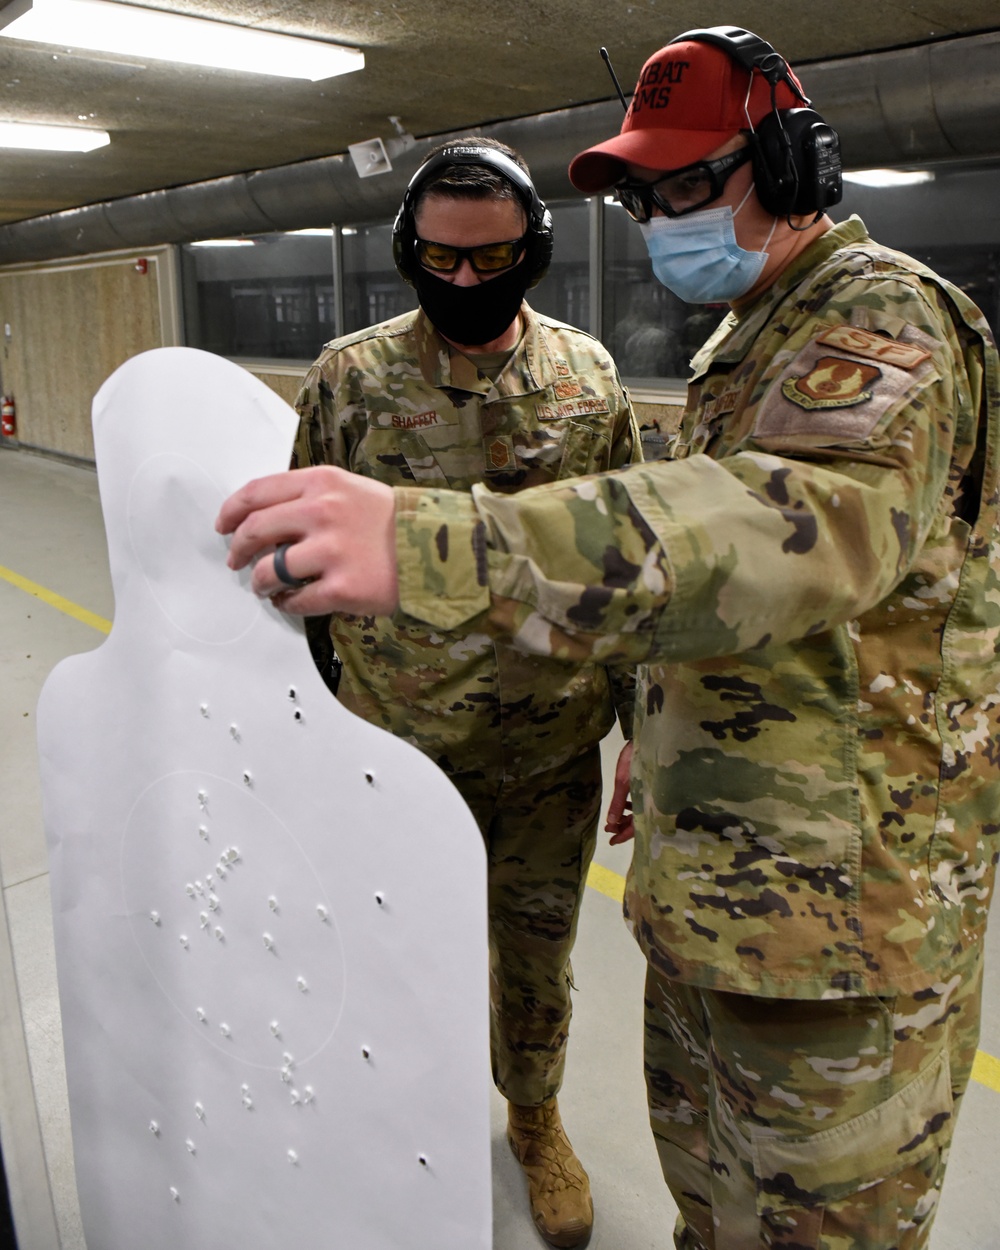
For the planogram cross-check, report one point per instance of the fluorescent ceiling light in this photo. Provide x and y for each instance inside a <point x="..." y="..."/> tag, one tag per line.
<point x="223" y="243"/>
<point x="51" y="138"/>
<point x="888" y="177"/>
<point x="316" y="230"/>
<point x="127" y="29"/>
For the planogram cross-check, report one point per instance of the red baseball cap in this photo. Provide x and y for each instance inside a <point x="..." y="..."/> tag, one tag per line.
<point x="690" y="98"/>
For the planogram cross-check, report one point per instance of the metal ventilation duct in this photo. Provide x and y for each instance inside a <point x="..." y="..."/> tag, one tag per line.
<point x="937" y="102"/>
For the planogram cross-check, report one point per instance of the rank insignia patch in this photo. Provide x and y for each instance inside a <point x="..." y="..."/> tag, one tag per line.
<point x="832" y="382"/>
<point x="567" y="390"/>
<point x="499" y="453"/>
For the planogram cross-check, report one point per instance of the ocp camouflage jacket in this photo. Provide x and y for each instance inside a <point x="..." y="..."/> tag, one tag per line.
<point x="814" y="583"/>
<point x="392" y="403"/>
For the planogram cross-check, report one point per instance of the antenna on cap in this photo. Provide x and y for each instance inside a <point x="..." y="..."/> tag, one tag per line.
<point x="614" y="78"/>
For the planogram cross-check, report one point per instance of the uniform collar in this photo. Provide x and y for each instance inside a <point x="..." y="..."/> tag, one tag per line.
<point x="531" y="368"/>
<point x="737" y="333"/>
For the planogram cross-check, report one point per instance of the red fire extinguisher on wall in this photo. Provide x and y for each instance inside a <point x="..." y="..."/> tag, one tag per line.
<point x="8" y="421"/>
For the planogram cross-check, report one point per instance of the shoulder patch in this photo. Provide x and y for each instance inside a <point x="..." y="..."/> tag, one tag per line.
<point x="833" y="393"/>
<point x="832" y="382"/>
<point x="872" y="346"/>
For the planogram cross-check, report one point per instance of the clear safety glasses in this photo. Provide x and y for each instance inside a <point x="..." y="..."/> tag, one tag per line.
<point x="681" y="190"/>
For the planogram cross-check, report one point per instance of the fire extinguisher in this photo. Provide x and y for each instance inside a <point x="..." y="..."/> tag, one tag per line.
<point x="8" y="422"/>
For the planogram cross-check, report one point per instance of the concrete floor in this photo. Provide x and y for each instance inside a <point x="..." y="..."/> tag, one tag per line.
<point x="51" y="533"/>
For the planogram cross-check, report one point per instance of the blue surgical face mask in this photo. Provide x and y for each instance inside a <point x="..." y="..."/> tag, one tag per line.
<point x="697" y="256"/>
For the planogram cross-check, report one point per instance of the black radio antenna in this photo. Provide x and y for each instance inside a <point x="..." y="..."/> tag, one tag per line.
<point x="614" y="78"/>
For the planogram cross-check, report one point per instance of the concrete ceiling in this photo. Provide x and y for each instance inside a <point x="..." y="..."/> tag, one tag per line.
<point x="439" y="65"/>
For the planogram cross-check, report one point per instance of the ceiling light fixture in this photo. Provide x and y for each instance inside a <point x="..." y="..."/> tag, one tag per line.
<point x="43" y="138"/>
<point x="127" y="29"/>
<point x="222" y="243"/>
<point x="888" y="177"/>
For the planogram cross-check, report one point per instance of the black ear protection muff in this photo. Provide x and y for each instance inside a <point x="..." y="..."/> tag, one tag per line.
<point x="796" y="154"/>
<point x="538" y="244"/>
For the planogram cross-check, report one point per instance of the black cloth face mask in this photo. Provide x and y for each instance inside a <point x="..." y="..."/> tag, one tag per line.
<point x="472" y="315"/>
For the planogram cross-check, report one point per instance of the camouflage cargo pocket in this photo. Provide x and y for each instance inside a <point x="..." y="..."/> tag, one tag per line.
<point x="843" y="1180"/>
<point x="400" y="458"/>
<point x="585" y="450"/>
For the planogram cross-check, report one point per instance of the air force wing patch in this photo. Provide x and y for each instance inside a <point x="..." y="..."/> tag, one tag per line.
<point x="832" y="382"/>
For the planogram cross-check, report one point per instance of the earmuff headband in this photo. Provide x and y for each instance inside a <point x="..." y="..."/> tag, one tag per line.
<point x="539" y="231"/>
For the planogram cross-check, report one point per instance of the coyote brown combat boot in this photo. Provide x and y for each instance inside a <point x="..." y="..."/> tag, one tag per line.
<point x="558" y="1187"/>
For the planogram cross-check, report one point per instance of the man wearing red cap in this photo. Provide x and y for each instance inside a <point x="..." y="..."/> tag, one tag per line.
<point x="741" y="143"/>
<point x="811" y="587"/>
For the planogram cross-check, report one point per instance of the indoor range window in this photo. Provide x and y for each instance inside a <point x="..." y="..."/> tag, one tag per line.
<point x="944" y="215"/>
<point x="273" y="296"/>
<point x="270" y="297"/>
<point x="650" y="332"/>
<point x="564" y="292"/>
<point x="373" y="290"/>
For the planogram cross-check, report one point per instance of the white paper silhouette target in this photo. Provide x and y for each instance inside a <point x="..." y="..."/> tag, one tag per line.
<point x="176" y="488"/>
<point x="270" y="916"/>
<point x="252" y="933"/>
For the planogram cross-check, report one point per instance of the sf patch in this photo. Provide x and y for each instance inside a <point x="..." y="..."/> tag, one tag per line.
<point x="832" y="382"/>
<point x="860" y="342"/>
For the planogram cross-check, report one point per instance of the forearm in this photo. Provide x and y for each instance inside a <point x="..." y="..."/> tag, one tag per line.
<point x="664" y="561"/>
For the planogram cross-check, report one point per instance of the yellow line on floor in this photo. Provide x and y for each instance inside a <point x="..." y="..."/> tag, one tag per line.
<point x="56" y="601"/>
<point x="985" y="1070"/>
<point x="606" y="882"/>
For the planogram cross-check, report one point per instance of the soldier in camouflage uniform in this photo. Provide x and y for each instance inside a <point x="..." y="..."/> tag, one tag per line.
<point x="517" y="734"/>
<point x="812" y="589"/>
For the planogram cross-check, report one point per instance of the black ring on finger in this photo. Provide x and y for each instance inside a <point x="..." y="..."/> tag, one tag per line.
<point x="281" y="569"/>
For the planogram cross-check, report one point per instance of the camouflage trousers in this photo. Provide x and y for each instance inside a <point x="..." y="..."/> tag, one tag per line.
<point x="807" y="1125"/>
<point x="540" y="835"/>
